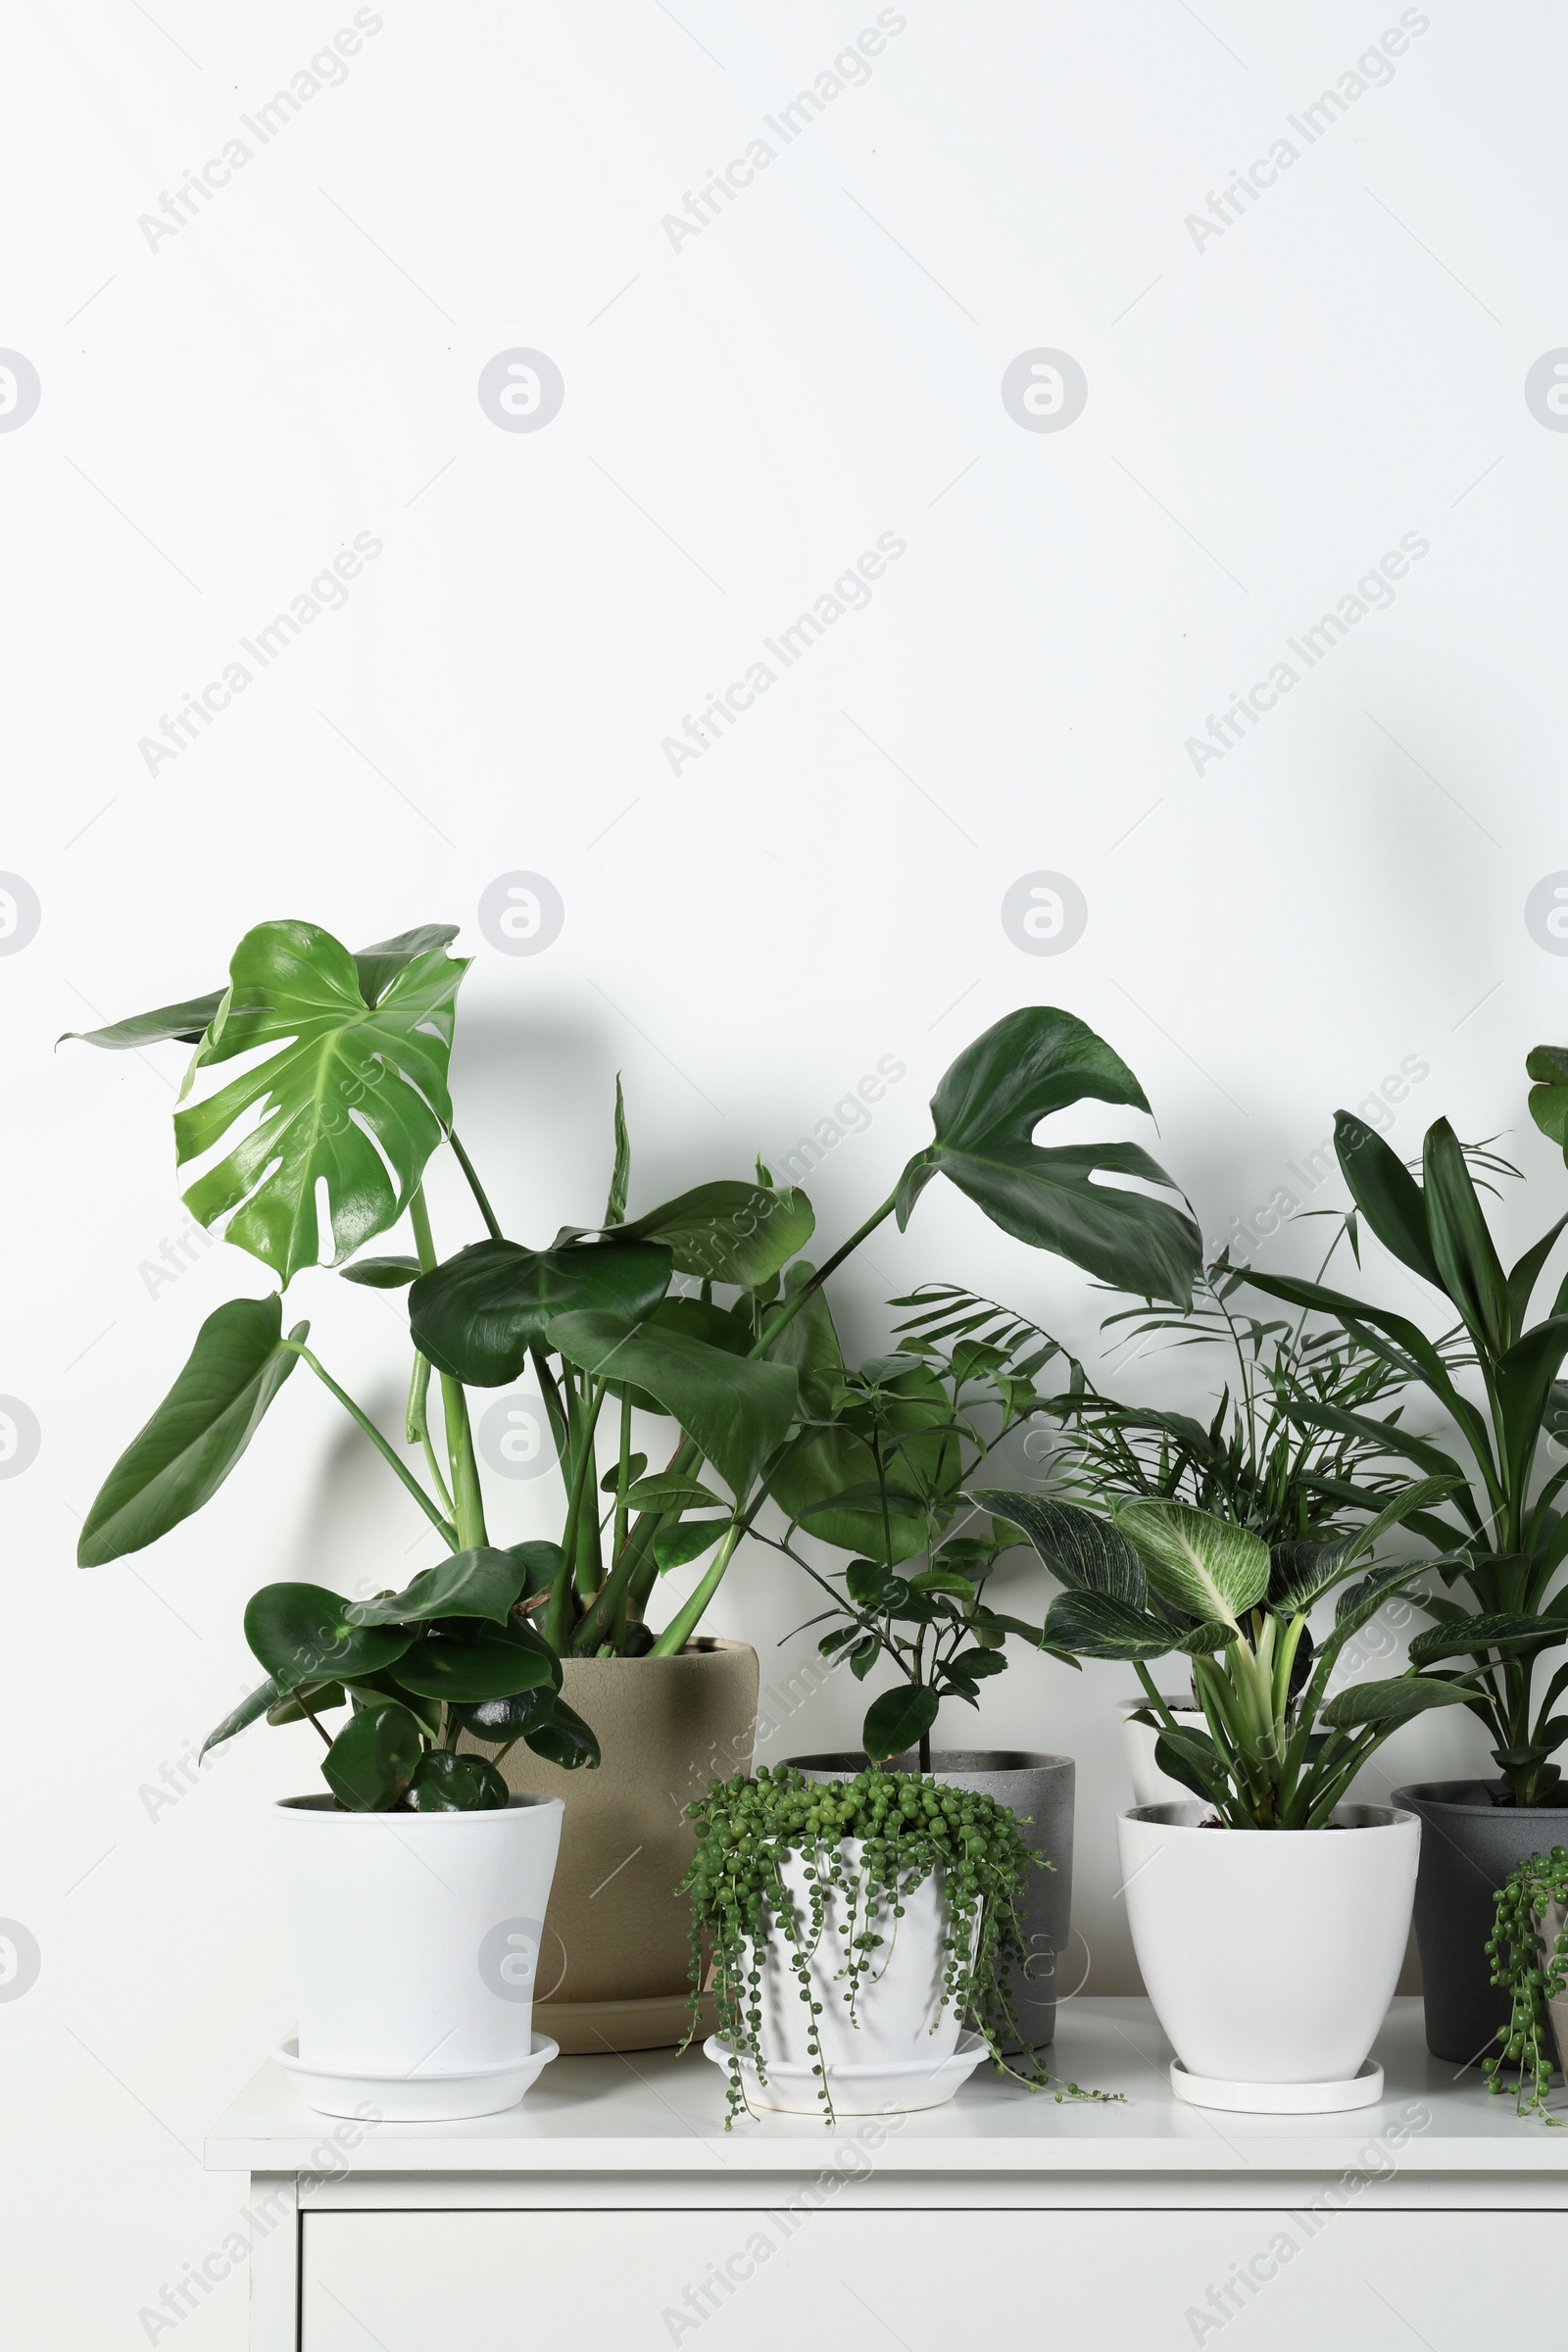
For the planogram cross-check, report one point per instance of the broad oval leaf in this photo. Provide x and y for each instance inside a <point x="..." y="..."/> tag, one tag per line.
<point x="729" y="1231"/>
<point x="563" y="1739"/>
<point x="1190" y="1756"/>
<point x="384" y="1273"/>
<point x="302" y="1633"/>
<point x="477" y="1315"/>
<point x="1030" y="1063"/>
<point x="374" y="1759"/>
<point x="351" y="1091"/>
<point x="196" y="1436"/>
<point x="667" y="1491"/>
<point x="898" y="1719"/>
<point x="478" y="1582"/>
<point x="1209" y="1567"/>
<point x="493" y="1662"/>
<point x="827" y="1478"/>
<point x="1083" y="1552"/>
<point x="500" y="1720"/>
<point x="1098" y="1625"/>
<point x="444" y="1783"/>
<point x="682" y="1541"/>
<point x="738" y="1412"/>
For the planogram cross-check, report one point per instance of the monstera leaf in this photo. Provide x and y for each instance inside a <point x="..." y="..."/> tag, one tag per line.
<point x="188" y="1022"/>
<point x="986" y="1109"/>
<point x="351" y="1090"/>
<point x="477" y="1315"/>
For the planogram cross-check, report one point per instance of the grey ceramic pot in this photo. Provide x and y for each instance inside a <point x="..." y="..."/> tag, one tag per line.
<point x="1469" y="1848"/>
<point x="1039" y="1789"/>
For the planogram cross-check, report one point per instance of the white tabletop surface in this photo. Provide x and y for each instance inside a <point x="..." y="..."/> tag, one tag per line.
<point x="658" y="2112"/>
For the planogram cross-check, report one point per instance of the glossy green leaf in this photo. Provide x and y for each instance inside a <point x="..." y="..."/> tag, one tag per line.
<point x="477" y="1315"/>
<point x="1096" y="1625"/>
<point x="374" y="1759"/>
<point x="302" y="1633"/>
<point x="366" y="1688"/>
<point x="384" y="1273"/>
<point x="610" y="1482"/>
<point x="1466" y="1256"/>
<point x="1190" y="1756"/>
<point x="478" y="1582"/>
<point x="827" y="1480"/>
<point x="240" y="1718"/>
<point x="540" y="1561"/>
<point x="489" y="1662"/>
<point x="1209" y="1567"/>
<point x="444" y="1783"/>
<point x="1389" y="1704"/>
<point x="503" y="1720"/>
<point x="729" y="1231"/>
<point x="1030" y="1063"/>
<point x="1500" y="1632"/>
<point x="681" y="1540"/>
<point x="898" y="1719"/>
<point x="975" y="1665"/>
<point x="198" y="1433"/>
<point x="1300" y="1571"/>
<point x="351" y="1091"/>
<point x="188" y="1022"/>
<point x="1526" y="1273"/>
<point x="809" y="1344"/>
<point x="620" y="1172"/>
<point x="1386" y="1195"/>
<point x="565" y="1739"/>
<point x="665" y="1492"/>
<point x="1082" y="1551"/>
<point x="1525" y="1375"/>
<point x="738" y="1412"/>
<point x="307" y="1699"/>
<point x="1547" y="1066"/>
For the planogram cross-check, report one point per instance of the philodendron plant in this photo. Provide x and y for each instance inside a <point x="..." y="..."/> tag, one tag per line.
<point x="345" y="1094"/>
<point x="1161" y="1578"/>
<point x="1497" y="1535"/>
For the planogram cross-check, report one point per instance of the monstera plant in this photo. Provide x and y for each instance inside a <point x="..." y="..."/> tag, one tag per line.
<point x="701" y="1312"/>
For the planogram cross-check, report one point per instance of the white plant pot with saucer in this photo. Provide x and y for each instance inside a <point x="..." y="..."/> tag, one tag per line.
<point x="901" y="2048"/>
<point x="1270" y="1956"/>
<point x="416" y="1940"/>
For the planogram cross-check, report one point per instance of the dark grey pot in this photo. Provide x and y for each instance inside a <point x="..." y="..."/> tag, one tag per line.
<point x="1469" y="1848"/>
<point x="1040" y="1791"/>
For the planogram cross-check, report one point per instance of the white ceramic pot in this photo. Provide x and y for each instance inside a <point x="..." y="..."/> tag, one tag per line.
<point x="1270" y="1956"/>
<point x="1151" y="1785"/>
<point x="902" y="2046"/>
<point x="416" y="1940"/>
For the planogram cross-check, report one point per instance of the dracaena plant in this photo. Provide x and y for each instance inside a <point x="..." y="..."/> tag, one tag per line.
<point x="1499" y="1534"/>
<point x="346" y="1093"/>
<point x="1161" y="1578"/>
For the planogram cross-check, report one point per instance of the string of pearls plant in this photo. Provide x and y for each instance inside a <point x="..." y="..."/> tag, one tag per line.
<point x="870" y="1840"/>
<point x="1533" y="1977"/>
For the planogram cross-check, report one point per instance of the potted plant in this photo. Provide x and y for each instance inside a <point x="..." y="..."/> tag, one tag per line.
<point x="1499" y="1537"/>
<point x="877" y="1470"/>
<point x="848" y="1931"/>
<point x="1528" y="1955"/>
<point x="1270" y="1959"/>
<point x="350" y="1095"/>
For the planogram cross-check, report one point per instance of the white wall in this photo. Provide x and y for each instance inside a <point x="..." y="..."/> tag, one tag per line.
<point x="1271" y="408"/>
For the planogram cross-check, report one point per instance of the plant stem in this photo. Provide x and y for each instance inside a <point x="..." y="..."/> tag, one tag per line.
<point x="417" y="1422"/>
<point x="380" y="1443"/>
<point x="475" y="1187"/>
<point x="558" y="1624"/>
<point x="469" y="1503"/>
<point x="681" y="1627"/>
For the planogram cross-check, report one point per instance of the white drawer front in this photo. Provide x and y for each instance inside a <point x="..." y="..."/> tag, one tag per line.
<point x="931" y="2281"/>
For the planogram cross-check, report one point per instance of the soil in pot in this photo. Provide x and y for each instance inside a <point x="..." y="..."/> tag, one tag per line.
<point x="612" y="1972"/>
<point x="1469" y="1848"/>
<point x="1038" y="1791"/>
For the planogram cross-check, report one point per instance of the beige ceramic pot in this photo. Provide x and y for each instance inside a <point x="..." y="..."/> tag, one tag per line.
<point x="612" y="1972"/>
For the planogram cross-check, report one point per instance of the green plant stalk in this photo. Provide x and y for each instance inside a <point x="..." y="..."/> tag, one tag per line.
<point x="681" y="1627"/>
<point x="445" y="1526"/>
<point x="416" y="1424"/>
<point x="475" y="1187"/>
<point x="633" y="1573"/>
<point x="584" y="1412"/>
<point x="469" y="1503"/>
<point x="623" y="1479"/>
